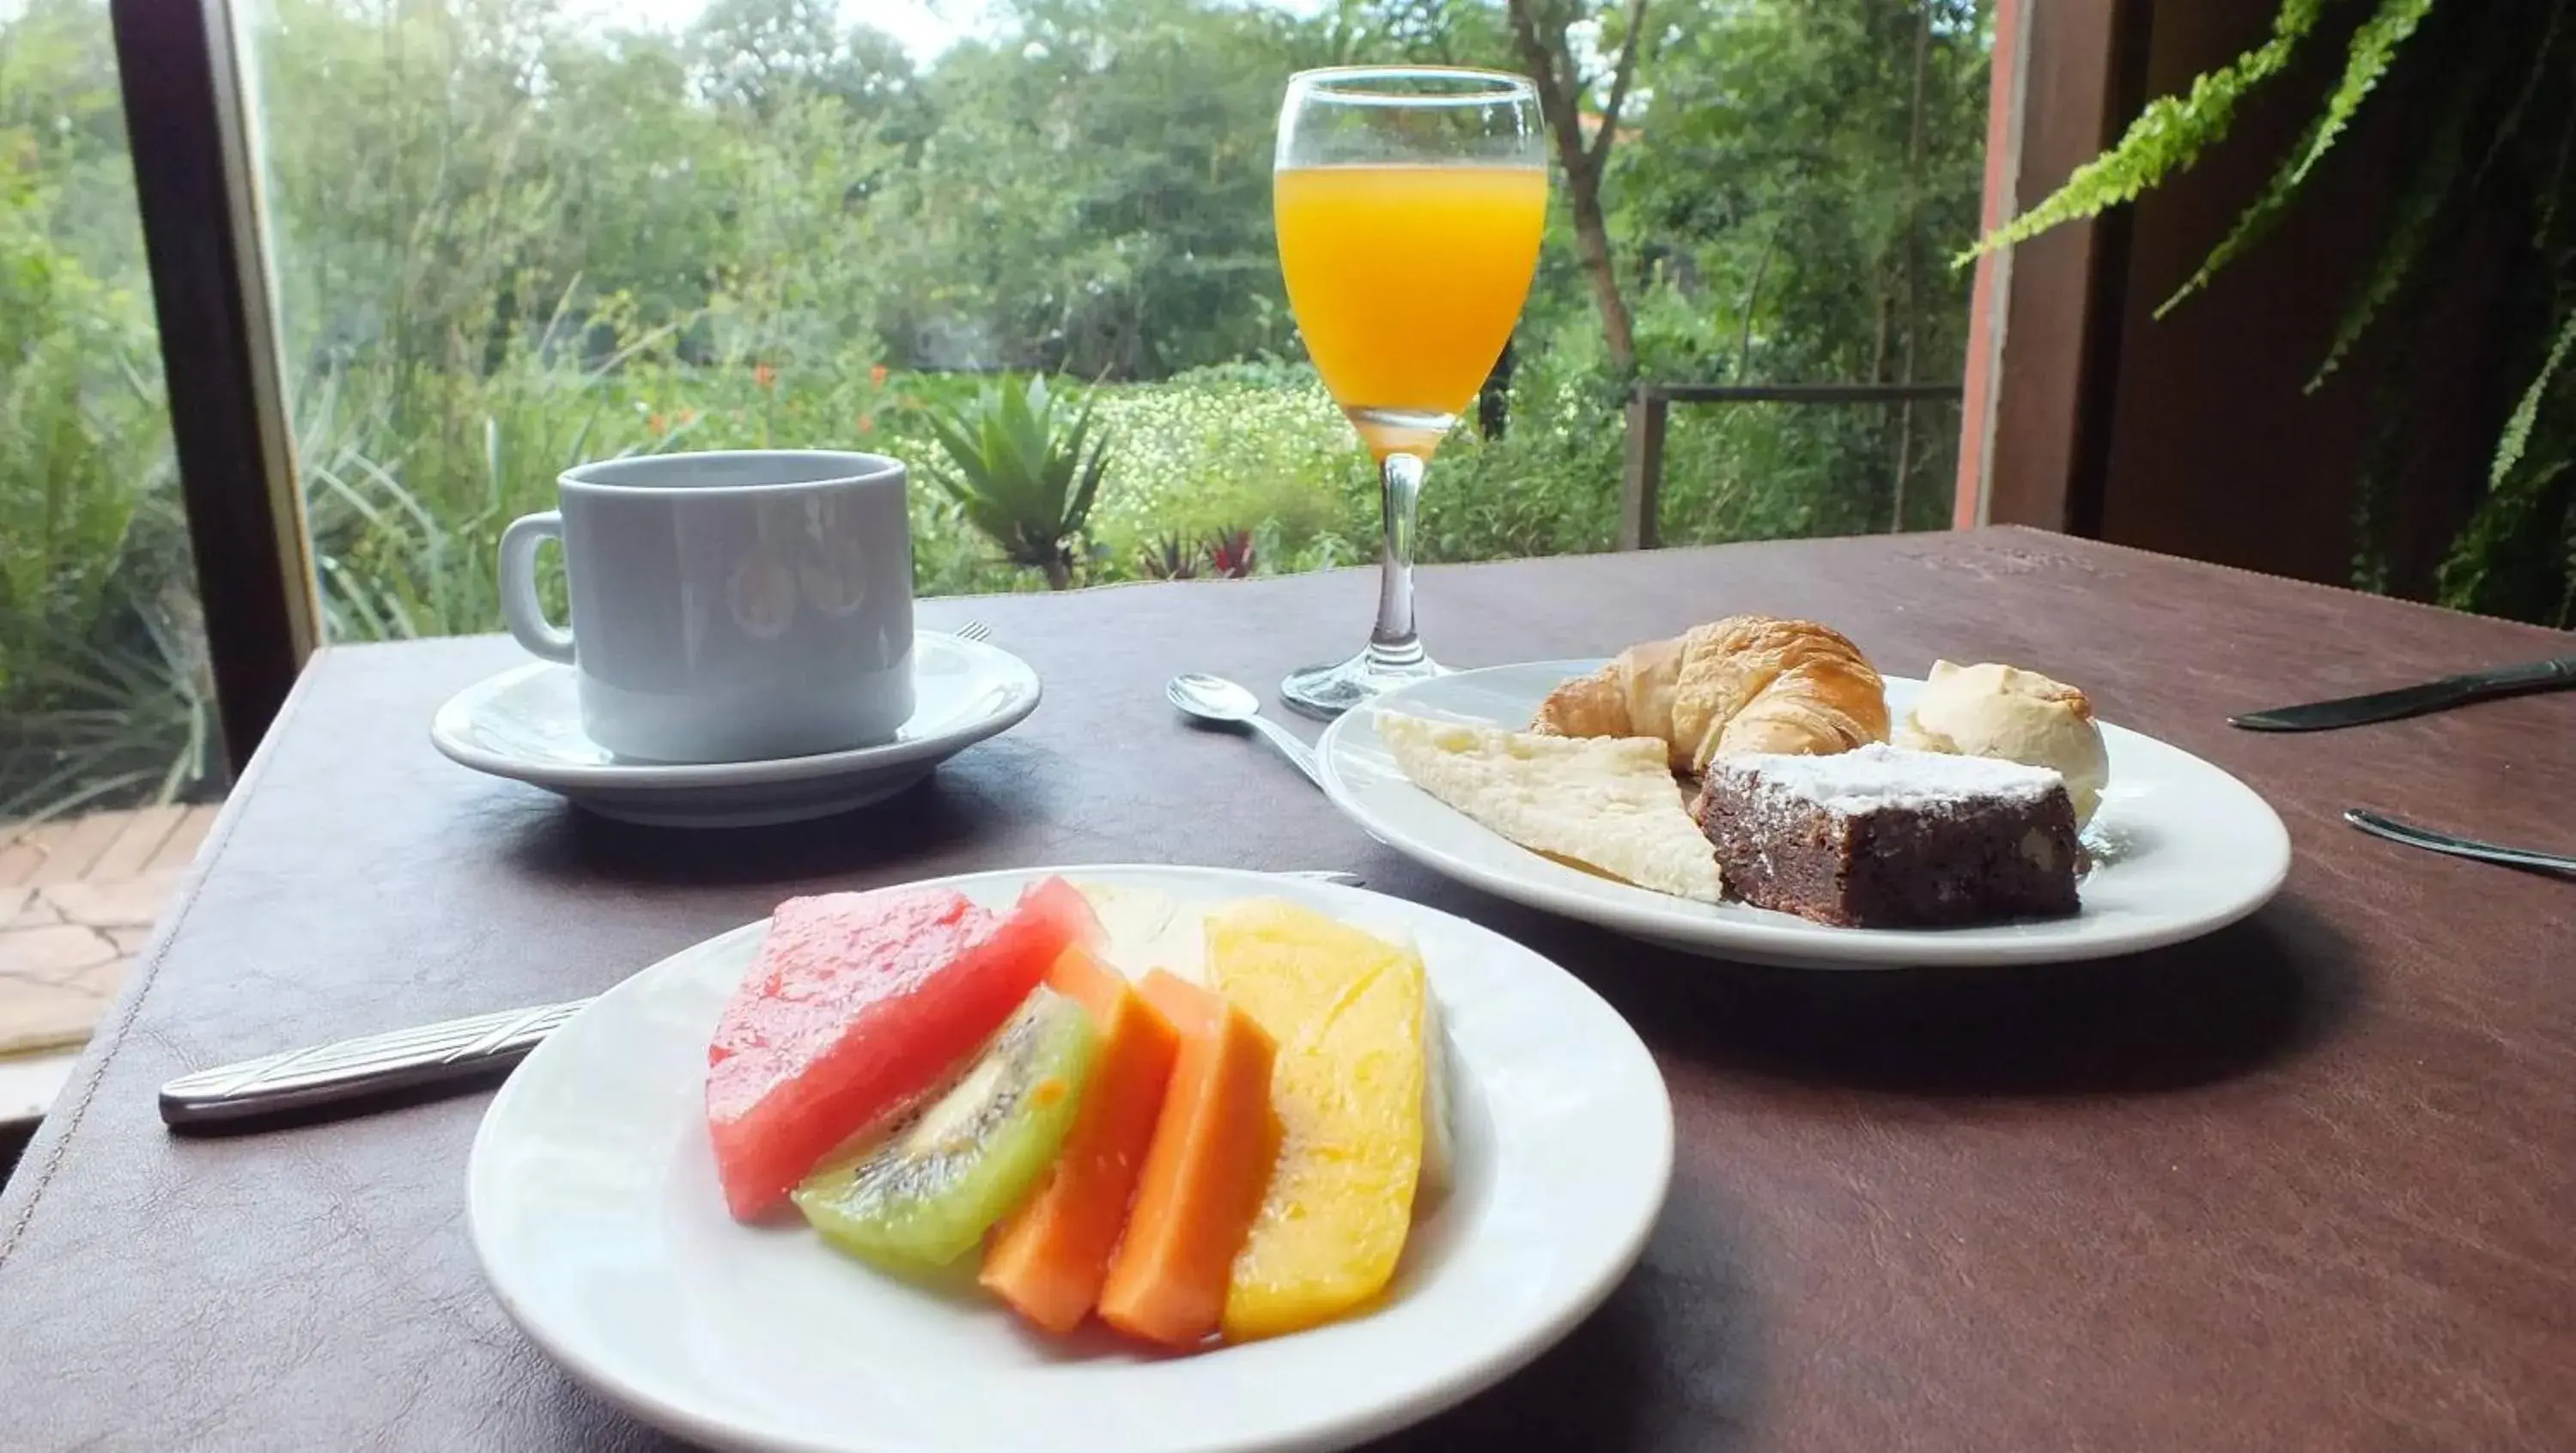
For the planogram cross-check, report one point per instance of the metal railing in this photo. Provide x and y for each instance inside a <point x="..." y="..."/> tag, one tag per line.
<point x="1650" y="414"/>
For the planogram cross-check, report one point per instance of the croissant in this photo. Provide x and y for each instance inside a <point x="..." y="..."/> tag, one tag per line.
<point x="1743" y="684"/>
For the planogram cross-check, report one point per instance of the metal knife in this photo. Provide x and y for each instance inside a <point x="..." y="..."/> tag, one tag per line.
<point x="2431" y="696"/>
<point x="447" y="1053"/>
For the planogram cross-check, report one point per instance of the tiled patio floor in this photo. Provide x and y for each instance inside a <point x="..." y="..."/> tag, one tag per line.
<point x="77" y="900"/>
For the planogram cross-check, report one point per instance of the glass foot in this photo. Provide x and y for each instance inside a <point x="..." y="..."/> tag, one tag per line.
<point x="1325" y="692"/>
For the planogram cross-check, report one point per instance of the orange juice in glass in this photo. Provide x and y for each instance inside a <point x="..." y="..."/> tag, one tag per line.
<point x="1409" y="204"/>
<point x="1406" y="281"/>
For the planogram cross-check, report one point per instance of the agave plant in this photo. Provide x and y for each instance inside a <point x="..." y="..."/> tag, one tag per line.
<point x="1024" y="468"/>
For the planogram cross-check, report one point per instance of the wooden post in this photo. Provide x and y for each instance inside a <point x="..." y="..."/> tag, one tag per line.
<point x="2045" y="316"/>
<point x="1641" y="491"/>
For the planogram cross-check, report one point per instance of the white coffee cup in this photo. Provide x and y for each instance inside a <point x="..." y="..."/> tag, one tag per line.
<point x="727" y="607"/>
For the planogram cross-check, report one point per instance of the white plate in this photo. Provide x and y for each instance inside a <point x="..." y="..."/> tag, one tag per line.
<point x="525" y="724"/>
<point x="2180" y="848"/>
<point x="593" y="1205"/>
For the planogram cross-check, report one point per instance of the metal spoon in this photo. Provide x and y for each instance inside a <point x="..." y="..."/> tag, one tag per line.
<point x="1215" y="699"/>
<point x="2459" y="847"/>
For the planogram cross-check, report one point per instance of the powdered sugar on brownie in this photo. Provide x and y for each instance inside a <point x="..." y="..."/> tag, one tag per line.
<point x="1879" y="777"/>
<point x="1883" y="837"/>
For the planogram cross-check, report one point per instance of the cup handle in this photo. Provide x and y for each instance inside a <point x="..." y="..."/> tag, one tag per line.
<point x="519" y="604"/>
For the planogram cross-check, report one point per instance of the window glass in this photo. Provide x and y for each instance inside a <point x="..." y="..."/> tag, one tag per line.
<point x="109" y="757"/>
<point x="511" y="235"/>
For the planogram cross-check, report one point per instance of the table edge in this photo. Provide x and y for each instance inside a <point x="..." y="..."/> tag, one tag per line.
<point x="44" y="1155"/>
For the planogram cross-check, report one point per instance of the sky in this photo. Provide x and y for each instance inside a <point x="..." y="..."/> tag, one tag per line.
<point x="925" y="27"/>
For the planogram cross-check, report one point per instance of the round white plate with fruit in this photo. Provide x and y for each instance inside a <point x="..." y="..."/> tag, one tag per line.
<point x="1143" y="1159"/>
<point x="1754" y="789"/>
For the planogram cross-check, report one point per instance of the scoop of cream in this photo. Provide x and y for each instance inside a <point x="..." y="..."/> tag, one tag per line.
<point x="2018" y="716"/>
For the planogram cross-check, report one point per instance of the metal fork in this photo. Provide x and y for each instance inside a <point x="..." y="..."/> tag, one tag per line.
<point x="973" y="631"/>
<point x="2380" y="825"/>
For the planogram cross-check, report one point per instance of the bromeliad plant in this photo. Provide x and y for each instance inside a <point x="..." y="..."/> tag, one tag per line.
<point x="1024" y="468"/>
<point x="1226" y="555"/>
<point x="1231" y="554"/>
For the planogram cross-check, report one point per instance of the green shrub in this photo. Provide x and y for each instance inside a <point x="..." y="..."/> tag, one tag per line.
<point x="102" y="682"/>
<point x="1021" y="472"/>
<point x="1257" y="448"/>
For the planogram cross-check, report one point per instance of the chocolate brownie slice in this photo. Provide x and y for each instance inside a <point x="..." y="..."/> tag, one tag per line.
<point x="1882" y="837"/>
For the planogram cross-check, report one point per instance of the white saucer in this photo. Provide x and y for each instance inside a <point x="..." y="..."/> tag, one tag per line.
<point x="2179" y="848"/>
<point x="592" y="1202"/>
<point x="525" y="724"/>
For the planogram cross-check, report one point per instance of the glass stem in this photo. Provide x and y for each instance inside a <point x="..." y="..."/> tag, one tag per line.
<point x="1393" y="642"/>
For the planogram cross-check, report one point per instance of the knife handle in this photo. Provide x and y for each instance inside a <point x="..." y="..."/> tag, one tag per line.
<point x="401" y="1059"/>
<point x="2418" y="700"/>
<point x="2497" y="681"/>
<point x="2522" y="678"/>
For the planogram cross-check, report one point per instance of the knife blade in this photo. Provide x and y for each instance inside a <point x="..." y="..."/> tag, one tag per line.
<point x="2405" y="701"/>
<point x="452" y="1052"/>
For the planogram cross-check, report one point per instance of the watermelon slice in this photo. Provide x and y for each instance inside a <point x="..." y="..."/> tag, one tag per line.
<point x="859" y="1004"/>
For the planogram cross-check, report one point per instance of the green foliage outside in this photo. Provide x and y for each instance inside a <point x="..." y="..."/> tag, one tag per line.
<point x="1023" y="474"/>
<point x="508" y="239"/>
<point x="100" y="690"/>
<point x="2485" y="87"/>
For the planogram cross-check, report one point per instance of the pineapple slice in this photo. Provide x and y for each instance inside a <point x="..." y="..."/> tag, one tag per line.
<point x="1349" y="1012"/>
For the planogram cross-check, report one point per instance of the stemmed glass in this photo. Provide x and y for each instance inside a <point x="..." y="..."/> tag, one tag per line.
<point x="1409" y="203"/>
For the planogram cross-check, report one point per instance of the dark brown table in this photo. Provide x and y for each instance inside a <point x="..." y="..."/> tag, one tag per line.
<point x="2310" y="1183"/>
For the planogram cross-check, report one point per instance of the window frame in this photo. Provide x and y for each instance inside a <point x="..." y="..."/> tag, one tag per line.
<point x="196" y="187"/>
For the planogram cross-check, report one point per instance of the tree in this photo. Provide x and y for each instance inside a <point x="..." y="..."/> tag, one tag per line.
<point x="1096" y="197"/>
<point x="1417" y="32"/>
<point x="1541" y="32"/>
<point x="759" y="54"/>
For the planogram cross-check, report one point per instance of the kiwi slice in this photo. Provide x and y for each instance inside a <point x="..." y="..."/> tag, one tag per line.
<point x="924" y="1195"/>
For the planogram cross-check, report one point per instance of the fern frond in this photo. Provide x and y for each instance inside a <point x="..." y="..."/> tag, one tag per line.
<point x="2504" y="560"/>
<point x="2567" y="593"/>
<point x="2167" y="138"/>
<point x="2375" y="487"/>
<point x="2422" y="215"/>
<point x="2543" y="57"/>
<point x="2252" y="225"/>
<point x="2373" y="50"/>
<point x="2484" y="572"/>
<point x="2517" y="426"/>
<point x="2408" y="236"/>
<point x="2545" y="229"/>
